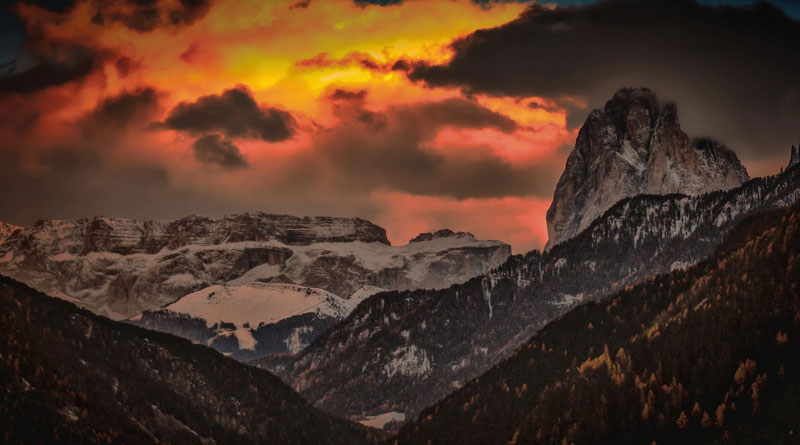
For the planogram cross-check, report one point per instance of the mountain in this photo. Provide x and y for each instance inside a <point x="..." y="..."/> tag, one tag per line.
<point x="634" y="146"/>
<point x="69" y="376"/>
<point x="247" y="318"/>
<point x="248" y="321"/>
<point x="794" y="158"/>
<point x="121" y="267"/>
<point x="402" y="351"/>
<point x="710" y="354"/>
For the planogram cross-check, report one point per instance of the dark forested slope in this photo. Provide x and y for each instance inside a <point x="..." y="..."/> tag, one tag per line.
<point x="69" y="376"/>
<point x="707" y="354"/>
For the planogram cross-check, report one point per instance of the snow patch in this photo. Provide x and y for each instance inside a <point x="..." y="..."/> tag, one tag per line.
<point x="409" y="361"/>
<point x="293" y="342"/>
<point x="245" y="339"/>
<point x="182" y="280"/>
<point x="381" y="420"/>
<point x="256" y="303"/>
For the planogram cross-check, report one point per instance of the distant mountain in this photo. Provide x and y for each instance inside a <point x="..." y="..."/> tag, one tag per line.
<point x="120" y="268"/>
<point x="403" y="351"/>
<point x="68" y="376"/>
<point x="258" y="314"/>
<point x="710" y="354"/>
<point x="634" y="146"/>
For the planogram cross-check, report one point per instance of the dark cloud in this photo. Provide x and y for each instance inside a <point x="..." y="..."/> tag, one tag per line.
<point x="324" y="60"/>
<point x="234" y="113"/>
<point x="365" y="3"/>
<point x="483" y="3"/>
<point x="49" y="70"/>
<point x="115" y="113"/>
<point x="460" y="113"/>
<point x="347" y="95"/>
<point x="147" y="15"/>
<point x="214" y="149"/>
<point x="78" y="183"/>
<point x="394" y="154"/>
<point x="733" y="71"/>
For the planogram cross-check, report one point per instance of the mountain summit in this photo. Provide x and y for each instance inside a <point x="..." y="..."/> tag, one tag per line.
<point x="634" y="146"/>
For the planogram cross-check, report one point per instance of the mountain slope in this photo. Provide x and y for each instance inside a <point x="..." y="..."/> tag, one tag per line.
<point x="708" y="354"/>
<point x="70" y="376"/>
<point x="402" y="351"/>
<point x="634" y="146"/>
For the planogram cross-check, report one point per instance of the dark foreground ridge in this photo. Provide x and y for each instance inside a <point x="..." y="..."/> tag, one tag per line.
<point x="68" y="376"/>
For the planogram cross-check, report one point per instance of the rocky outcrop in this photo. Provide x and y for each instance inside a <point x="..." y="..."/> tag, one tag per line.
<point x="634" y="146"/>
<point x="443" y="233"/>
<point x="122" y="267"/>
<point x="794" y="158"/>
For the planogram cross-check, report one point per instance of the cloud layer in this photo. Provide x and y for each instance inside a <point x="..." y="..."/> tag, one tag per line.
<point x="162" y="108"/>
<point x="732" y="71"/>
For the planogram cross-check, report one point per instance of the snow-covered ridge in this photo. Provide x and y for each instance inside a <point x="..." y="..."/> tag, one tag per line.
<point x="122" y="267"/>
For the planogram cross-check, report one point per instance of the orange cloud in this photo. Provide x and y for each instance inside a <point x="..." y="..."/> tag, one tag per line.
<point x="329" y="66"/>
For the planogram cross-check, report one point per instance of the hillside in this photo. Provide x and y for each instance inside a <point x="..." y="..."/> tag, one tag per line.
<point x="703" y="355"/>
<point x="72" y="377"/>
<point x="403" y="351"/>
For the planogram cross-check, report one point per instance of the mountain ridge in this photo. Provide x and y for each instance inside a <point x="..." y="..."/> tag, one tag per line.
<point x="122" y="267"/>
<point x="483" y="320"/>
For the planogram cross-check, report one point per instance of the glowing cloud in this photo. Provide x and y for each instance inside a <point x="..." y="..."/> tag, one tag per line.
<point x="281" y="106"/>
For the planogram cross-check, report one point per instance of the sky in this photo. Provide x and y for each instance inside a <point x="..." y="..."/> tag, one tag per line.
<point x="415" y="114"/>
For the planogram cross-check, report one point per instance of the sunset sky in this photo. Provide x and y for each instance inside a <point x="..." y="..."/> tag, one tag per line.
<point x="399" y="113"/>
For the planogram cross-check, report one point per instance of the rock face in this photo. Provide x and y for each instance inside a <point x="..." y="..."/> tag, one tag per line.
<point x="630" y="147"/>
<point x="794" y="158"/>
<point x="403" y="351"/>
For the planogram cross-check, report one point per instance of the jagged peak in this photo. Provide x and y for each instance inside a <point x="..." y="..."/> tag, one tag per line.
<point x="631" y="146"/>
<point x="7" y="229"/>
<point x="627" y="97"/>
<point x="794" y="157"/>
<point x="442" y="233"/>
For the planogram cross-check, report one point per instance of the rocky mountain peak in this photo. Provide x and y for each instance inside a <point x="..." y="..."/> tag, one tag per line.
<point x="442" y="233"/>
<point x="633" y="146"/>
<point x="794" y="158"/>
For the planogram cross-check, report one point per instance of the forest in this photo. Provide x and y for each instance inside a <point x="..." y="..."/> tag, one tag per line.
<point x="703" y="355"/>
